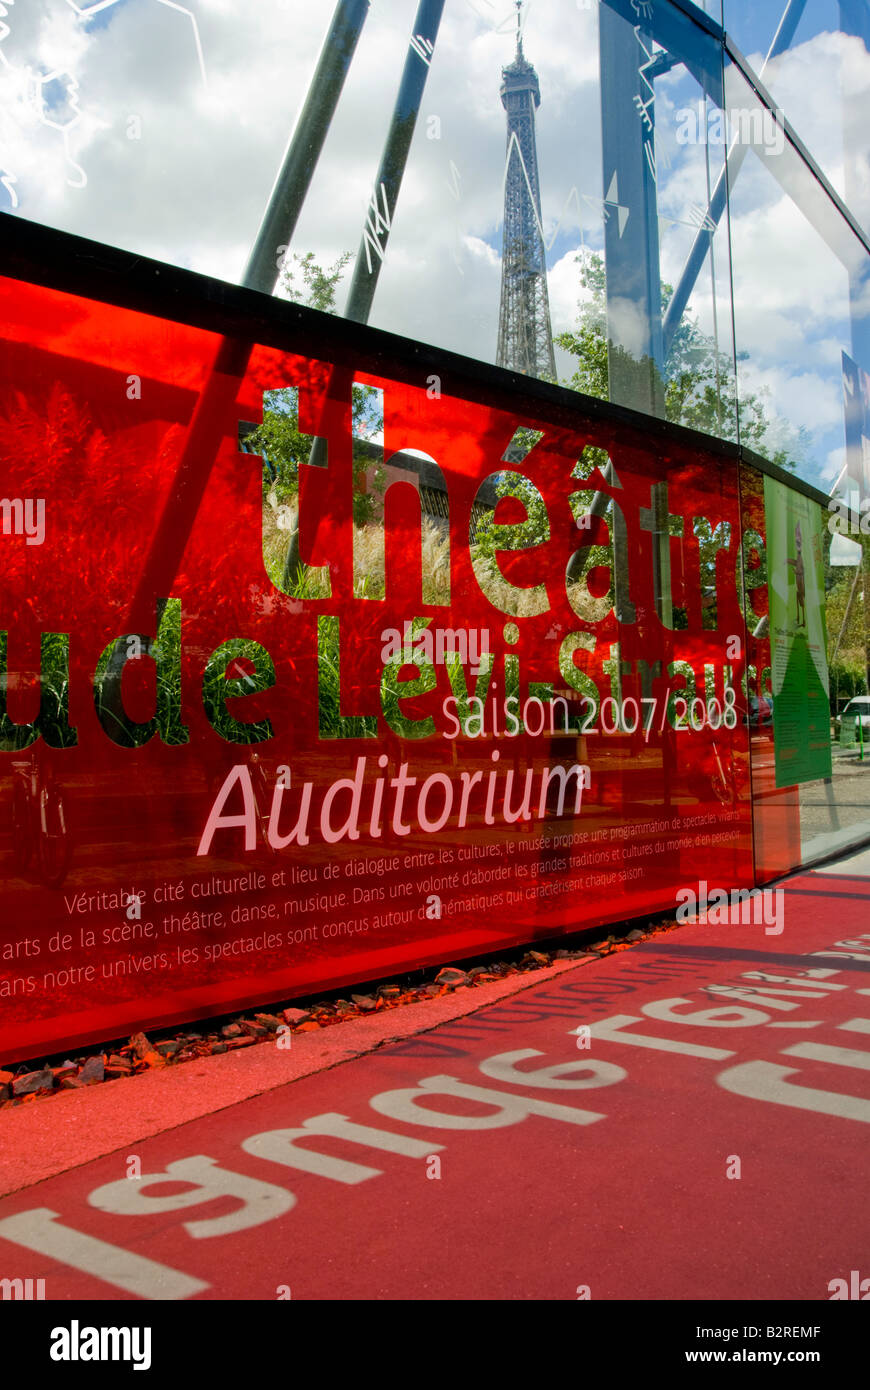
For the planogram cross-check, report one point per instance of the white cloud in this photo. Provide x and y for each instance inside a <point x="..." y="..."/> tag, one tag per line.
<point x="791" y="295"/>
<point x="192" y="190"/>
<point x="833" y="465"/>
<point x="563" y="282"/>
<point x="802" y="398"/>
<point x="823" y="85"/>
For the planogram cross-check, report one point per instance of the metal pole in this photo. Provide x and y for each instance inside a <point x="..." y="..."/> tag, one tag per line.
<point x="388" y="181"/>
<point x="232" y="356"/>
<point x="303" y="151"/>
<point x="379" y="218"/>
<point x="631" y="251"/>
<point x="782" y="38"/>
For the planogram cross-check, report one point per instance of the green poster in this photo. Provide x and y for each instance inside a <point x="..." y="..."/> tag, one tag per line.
<point x="798" y="647"/>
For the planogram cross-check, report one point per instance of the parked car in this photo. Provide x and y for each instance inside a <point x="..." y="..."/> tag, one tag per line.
<point x="858" y="706"/>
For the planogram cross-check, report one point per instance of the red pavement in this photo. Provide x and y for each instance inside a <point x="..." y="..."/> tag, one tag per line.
<point x="503" y="1161"/>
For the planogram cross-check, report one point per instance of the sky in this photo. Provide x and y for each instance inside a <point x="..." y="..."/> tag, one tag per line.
<point x="159" y="126"/>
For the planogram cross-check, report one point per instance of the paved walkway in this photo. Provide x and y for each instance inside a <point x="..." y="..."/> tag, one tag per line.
<point x="705" y="1139"/>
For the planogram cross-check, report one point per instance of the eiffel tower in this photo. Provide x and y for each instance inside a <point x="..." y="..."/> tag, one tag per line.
<point x="525" y="341"/>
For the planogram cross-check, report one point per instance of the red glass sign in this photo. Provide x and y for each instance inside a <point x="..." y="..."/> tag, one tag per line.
<point x="493" y="694"/>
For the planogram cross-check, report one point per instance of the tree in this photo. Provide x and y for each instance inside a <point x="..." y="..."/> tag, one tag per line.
<point x="700" y="389"/>
<point x="845" y="602"/>
<point x="699" y="392"/>
<point x="282" y="444"/>
<point x="305" y="282"/>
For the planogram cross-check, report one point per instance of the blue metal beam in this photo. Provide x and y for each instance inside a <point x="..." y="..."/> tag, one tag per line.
<point x="785" y="32"/>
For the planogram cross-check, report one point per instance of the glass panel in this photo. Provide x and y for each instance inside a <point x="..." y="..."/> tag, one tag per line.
<point x="837" y="813"/>
<point x="819" y="816"/>
<point x="830" y="817"/>
<point x="516" y="192"/>
<point x="490" y="698"/>
<point x="801" y="282"/>
<point x="664" y="281"/>
<point x="814" y="58"/>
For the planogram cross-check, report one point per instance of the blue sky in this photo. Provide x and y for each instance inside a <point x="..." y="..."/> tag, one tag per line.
<point x="176" y="159"/>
